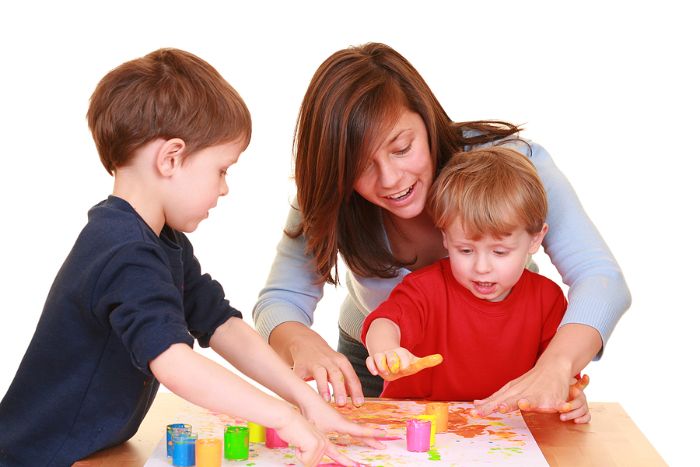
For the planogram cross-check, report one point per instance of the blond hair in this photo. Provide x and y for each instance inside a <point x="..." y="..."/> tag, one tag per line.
<point x="491" y="191"/>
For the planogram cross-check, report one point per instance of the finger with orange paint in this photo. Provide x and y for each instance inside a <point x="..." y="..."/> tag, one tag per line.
<point x="394" y="363"/>
<point x="577" y="407"/>
<point x="575" y="392"/>
<point x="417" y="364"/>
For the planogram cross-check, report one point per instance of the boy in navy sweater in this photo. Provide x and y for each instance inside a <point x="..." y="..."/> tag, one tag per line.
<point x="130" y="299"/>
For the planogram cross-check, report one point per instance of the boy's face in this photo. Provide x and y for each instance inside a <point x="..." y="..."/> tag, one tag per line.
<point x="197" y="185"/>
<point x="489" y="267"/>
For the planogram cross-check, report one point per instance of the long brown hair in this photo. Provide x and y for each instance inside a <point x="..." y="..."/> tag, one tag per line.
<point x="353" y="99"/>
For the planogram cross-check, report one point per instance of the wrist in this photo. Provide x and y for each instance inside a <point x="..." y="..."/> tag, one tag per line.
<point x="283" y="416"/>
<point x="556" y="362"/>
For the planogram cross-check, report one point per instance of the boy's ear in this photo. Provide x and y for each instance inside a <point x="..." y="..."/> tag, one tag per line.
<point x="170" y="156"/>
<point x="444" y="239"/>
<point x="537" y="239"/>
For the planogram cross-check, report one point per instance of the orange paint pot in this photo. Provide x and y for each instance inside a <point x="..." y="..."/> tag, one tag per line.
<point x="208" y="452"/>
<point x="441" y="410"/>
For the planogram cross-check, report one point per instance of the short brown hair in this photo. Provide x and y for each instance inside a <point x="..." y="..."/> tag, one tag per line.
<point x="491" y="191"/>
<point x="354" y="98"/>
<point x="169" y="93"/>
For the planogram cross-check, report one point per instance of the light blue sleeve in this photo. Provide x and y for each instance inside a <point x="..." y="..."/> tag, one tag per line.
<point x="598" y="293"/>
<point x="293" y="287"/>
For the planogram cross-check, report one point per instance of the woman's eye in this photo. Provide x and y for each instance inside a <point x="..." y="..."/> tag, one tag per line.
<point x="403" y="151"/>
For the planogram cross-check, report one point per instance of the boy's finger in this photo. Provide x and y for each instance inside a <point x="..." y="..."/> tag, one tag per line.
<point x="583" y="382"/>
<point x="332" y="452"/>
<point x="394" y="363"/>
<point x="382" y="366"/>
<point x="371" y="366"/>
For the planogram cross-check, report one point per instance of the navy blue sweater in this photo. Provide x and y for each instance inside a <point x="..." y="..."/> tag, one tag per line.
<point x="122" y="297"/>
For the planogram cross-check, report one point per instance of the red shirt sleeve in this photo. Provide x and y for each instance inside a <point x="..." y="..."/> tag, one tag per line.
<point x="406" y="306"/>
<point x="552" y="314"/>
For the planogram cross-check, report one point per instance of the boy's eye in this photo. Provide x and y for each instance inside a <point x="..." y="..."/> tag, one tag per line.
<point x="466" y="251"/>
<point x="500" y="252"/>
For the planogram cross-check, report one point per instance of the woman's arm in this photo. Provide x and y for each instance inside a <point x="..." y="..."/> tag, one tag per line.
<point x="284" y="312"/>
<point x="598" y="296"/>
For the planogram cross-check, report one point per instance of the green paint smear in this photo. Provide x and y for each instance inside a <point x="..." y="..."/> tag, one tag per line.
<point x="434" y="455"/>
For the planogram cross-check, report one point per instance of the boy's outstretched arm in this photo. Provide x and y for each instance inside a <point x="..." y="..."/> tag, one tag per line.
<point x="207" y="384"/>
<point x="386" y="356"/>
<point x="246" y="350"/>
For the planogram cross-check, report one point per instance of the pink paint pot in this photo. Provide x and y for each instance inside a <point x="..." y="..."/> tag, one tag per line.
<point x="418" y="435"/>
<point x="273" y="440"/>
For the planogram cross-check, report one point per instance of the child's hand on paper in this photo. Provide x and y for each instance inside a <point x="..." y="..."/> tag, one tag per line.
<point x="396" y="363"/>
<point x="327" y="419"/>
<point x="311" y="445"/>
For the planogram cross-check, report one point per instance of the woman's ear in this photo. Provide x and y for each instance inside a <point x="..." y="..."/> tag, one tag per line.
<point x="170" y="156"/>
<point x="536" y="240"/>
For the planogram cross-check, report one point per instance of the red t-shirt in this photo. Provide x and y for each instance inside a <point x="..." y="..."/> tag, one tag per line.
<point x="484" y="344"/>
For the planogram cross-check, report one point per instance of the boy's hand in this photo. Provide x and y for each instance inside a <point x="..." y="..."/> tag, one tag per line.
<point x="399" y="362"/>
<point x="311" y="445"/>
<point x="327" y="419"/>
<point x="576" y="408"/>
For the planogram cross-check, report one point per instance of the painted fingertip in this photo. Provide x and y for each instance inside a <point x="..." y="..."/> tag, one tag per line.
<point x="523" y="404"/>
<point x="357" y="402"/>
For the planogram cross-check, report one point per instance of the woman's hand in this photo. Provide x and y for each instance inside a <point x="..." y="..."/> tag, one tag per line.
<point x="313" y="358"/>
<point x="544" y="388"/>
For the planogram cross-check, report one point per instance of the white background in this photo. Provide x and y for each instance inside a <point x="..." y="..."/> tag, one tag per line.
<point x="610" y="89"/>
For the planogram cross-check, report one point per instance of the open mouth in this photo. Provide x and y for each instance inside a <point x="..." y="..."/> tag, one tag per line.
<point x="484" y="288"/>
<point x="402" y="194"/>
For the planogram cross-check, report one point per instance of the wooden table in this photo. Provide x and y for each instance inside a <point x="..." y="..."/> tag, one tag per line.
<point x="611" y="439"/>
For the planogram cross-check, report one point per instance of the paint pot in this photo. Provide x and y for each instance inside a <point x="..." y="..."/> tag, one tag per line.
<point x="236" y="443"/>
<point x="207" y="452"/>
<point x="441" y="411"/>
<point x="170" y="430"/>
<point x="273" y="440"/>
<point x="418" y="435"/>
<point x="433" y="426"/>
<point x="183" y="449"/>
<point x="256" y="432"/>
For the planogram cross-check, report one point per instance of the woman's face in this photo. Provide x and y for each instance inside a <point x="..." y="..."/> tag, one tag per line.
<point x="399" y="173"/>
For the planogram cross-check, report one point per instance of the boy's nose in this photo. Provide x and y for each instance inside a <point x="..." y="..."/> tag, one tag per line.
<point x="483" y="264"/>
<point x="224" y="188"/>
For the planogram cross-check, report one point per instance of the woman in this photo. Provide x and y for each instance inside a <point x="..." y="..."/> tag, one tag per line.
<point x="370" y="139"/>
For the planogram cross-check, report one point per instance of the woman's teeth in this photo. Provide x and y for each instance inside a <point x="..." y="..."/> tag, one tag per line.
<point x="402" y="194"/>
